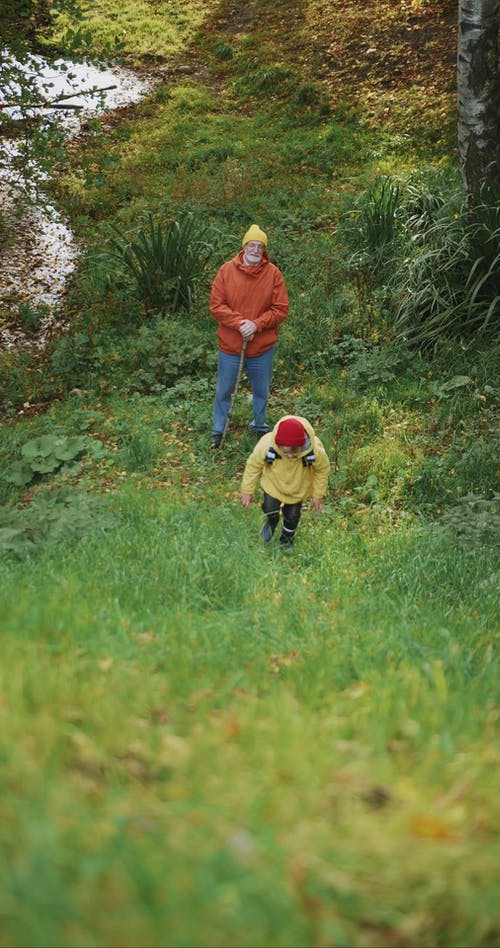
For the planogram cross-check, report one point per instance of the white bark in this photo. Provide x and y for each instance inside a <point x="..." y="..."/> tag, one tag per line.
<point x="478" y="93"/>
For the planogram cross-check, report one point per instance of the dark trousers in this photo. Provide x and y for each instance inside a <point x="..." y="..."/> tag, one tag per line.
<point x="291" y="516"/>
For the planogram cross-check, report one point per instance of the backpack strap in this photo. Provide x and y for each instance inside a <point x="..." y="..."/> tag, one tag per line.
<point x="272" y="455"/>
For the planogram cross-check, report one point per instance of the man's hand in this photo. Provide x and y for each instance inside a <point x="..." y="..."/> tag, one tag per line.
<point x="317" y="503"/>
<point x="246" y="499"/>
<point x="248" y="329"/>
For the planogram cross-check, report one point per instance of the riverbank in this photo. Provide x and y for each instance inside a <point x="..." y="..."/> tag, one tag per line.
<point x="39" y="252"/>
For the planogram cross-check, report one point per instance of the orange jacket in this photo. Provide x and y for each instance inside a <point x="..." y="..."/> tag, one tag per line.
<point x="257" y="293"/>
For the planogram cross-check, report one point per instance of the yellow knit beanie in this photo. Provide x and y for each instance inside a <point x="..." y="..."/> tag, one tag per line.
<point x="255" y="233"/>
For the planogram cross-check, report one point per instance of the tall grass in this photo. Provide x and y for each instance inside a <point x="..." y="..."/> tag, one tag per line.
<point x="206" y="743"/>
<point x="165" y="258"/>
<point x="451" y="286"/>
<point x="434" y="263"/>
<point x="372" y="225"/>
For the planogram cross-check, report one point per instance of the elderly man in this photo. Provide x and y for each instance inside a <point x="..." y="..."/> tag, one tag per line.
<point x="249" y="301"/>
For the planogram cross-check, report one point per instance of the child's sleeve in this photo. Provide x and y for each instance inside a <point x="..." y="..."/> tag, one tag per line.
<point x="321" y="470"/>
<point x="253" y="471"/>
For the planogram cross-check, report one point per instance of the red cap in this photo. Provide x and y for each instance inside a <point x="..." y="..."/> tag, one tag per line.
<point x="291" y="433"/>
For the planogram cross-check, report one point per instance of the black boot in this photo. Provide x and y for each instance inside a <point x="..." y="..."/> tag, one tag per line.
<point x="287" y="537"/>
<point x="266" y="532"/>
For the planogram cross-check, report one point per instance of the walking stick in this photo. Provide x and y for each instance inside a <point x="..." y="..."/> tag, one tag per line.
<point x="233" y="395"/>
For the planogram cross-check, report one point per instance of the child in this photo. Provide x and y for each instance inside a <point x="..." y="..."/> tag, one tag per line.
<point x="292" y="465"/>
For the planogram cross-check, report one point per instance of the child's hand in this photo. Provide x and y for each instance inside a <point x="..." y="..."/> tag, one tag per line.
<point x="317" y="503"/>
<point x="246" y="499"/>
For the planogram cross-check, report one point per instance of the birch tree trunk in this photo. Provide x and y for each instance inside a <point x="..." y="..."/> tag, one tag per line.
<point x="478" y="93"/>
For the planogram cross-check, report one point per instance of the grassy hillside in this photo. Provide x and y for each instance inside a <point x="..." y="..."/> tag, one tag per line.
<point x="205" y="742"/>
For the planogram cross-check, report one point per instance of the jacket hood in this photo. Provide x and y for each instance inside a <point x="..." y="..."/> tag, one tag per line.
<point x="309" y="446"/>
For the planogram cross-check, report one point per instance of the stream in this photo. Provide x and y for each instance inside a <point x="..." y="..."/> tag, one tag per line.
<point x="42" y="252"/>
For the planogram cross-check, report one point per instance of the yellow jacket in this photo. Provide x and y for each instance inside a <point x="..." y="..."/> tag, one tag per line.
<point x="290" y="480"/>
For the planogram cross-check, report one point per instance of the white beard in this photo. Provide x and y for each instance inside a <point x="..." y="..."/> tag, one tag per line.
<point x="251" y="260"/>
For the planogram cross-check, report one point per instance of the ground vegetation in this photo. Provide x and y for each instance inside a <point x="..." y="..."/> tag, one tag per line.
<point x="205" y="742"/>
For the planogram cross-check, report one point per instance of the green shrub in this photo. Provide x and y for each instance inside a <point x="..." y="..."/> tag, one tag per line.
<point x="162" y="353"/>
<point x="448" y="284"/>
<point x="464" y="469"/>
<point x="371" y="227"/>
<point x="165" y="258"/>
<point x="51" y="518"/>
<point x="474" y="519"/>
<point x="308" y="341"/>
<point x="377" y="366"/>
<point x="48" y="454"/>
<point x="76" y="359"/>
<point x="16" y="379"/>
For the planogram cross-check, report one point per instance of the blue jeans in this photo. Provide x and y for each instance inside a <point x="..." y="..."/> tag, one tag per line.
<point x="259" y="370"/>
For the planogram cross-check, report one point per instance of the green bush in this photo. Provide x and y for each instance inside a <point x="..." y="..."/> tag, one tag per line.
<point x="377" y="366"/>
<point x="372" y="225"/>
<point x="162" y="353"/>
<point x="165" y="258"/>
<point x="51" y="518"/>
<point x="474" y="519"/>
<point x="44" y="455"/>
<point x="464" y="469"/>
<point x="78" y="359"/>
<point x="16" y="377"/>
<point x="448" y="283"/>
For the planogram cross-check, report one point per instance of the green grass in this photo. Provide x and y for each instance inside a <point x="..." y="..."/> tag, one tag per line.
<point x="204" y="742"/>
<point x="141" y="29"/>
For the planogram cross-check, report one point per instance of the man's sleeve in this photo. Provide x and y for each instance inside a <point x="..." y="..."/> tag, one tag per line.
<point x="219" y="306"/>
<point x="278" y="309"/>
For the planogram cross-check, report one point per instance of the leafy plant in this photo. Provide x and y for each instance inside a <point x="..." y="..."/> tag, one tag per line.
<point x="165" y="259"/>
<point x="44" y="455"/>
<point x="49" y="519"/>
<point x="163" y="352"/>
<point x="443" y="478"/>
<point x="377" y="365"/>
<point x="450" y="387"/>
<point x="372" y="225"/>
<point x="76" y="359"/>
<point x="473" y="519"/>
